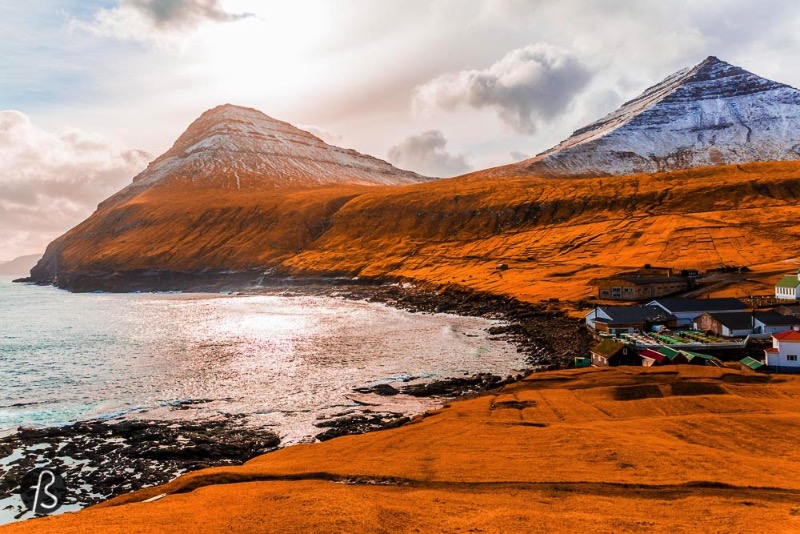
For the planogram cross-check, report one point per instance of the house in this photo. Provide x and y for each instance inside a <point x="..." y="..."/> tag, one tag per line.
<point x="685" y="310"/>
<point x="726" y="324"/>
<point x="772" y="322"/>
<point x="652" y="358"/>
<point x="741" y="324"/>
<point x="783" y="355"/>
<point x="631" y="287"/>
<point x="612" y="353"/>
<point x="788" y="287"/>
<point x="626" y="319"/>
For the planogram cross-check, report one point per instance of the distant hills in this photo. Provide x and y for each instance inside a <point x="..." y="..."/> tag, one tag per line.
<point x="20" y="266"/>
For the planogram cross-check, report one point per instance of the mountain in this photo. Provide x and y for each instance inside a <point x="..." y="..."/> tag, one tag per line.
<point x="19" y="266"/>
<point x="233" y="147"/>
<point x="237" y="190"/>
<point x="711" y="114"/>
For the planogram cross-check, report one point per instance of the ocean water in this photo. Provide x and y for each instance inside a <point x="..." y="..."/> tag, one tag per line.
<point x="283" y="361"/>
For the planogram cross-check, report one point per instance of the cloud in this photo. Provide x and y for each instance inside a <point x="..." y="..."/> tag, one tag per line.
<point x="163" y="22"/>
<point x="526" y="87"/>
<point x="51" y="181"/>
<point x="427" y="153"/>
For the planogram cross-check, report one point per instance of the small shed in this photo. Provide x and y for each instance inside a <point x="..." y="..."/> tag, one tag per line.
<point x="675" y="356"/>
<point x="652" y="358"/>
<point x="697" y="358"/>
<point x="582" y="362"/>
<point x="753" y="364"/>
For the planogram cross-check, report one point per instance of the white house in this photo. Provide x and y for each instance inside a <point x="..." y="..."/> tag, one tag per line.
<point x="788" y="287"/>
<point x="783" y="356"/>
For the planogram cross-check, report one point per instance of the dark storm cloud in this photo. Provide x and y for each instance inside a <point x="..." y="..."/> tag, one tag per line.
<point x="527" y="86"/>
<point x="182" y="13"/>
<point x="427" y="153"/>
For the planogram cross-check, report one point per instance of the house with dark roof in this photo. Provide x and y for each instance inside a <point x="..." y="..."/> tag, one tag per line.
<point x="788" y="287"/>
<point x="741" y="324"/>
<point x="610" y="352"/>
<point x="626" y="319"/>
<point x="685" y="310"/>
<point x="631" y="287"/>
<point x="783" y="355"/>
<point x="728" y="324"/>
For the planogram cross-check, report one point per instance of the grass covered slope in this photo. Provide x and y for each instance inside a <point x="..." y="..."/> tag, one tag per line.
<point x="682" y="449"/>
<point x="556" y="235"/>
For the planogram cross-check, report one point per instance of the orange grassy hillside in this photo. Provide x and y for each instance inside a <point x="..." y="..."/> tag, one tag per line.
<point x="167" y="228"/>
<point x="556" y="235"/>
<point x="685" y="449"/>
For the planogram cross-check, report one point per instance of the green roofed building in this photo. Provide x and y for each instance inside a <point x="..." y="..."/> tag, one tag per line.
<point x="696" y="358"/>
<point x="788" y="287"/>
<point x="675" y="356"/>
<point x="753" y="364"/>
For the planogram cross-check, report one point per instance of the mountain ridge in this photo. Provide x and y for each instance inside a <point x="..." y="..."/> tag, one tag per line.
<point x="713" y="113"/>
<point x="236" y="147"/>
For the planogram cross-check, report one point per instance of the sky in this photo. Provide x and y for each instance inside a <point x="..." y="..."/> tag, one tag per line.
<point x="90" y="91"/>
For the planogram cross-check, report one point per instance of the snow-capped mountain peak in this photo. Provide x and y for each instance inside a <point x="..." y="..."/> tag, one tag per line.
<point x="234" y="147"/>
<point x="714" y="113"/>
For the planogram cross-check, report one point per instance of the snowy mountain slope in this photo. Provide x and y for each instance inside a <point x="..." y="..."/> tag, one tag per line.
<point x="233" y="147"/>
<point x="712" y="114"/>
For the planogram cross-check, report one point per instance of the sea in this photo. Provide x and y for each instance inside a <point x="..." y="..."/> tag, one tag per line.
<point x="283" y="362"/>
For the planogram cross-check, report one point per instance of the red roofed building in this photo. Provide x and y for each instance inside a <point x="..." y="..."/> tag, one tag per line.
<point x="651" y="358"/>
<point x="783" y="356"/>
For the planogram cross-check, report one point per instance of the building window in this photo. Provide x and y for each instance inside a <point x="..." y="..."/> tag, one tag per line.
<point x="791" y="357"/>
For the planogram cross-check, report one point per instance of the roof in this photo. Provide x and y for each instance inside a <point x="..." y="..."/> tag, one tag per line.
<point x="789" y="335"/>
<point x="744" y="320"/>
<point x="608" y="347"/>
<point x="773" y="318"/>
<point x="653" y="355"/>
<point x="678" y="305"/>
<point x="636" y="314"/>
<point x="647" y="280"/>
<point x="772" y="350"/>
<point x="691" y="355"/>
<point x="790" y="280"/>
<point x="734" y="320"/>
<point x="751" y="363"/>
<point x="668" y="352"/>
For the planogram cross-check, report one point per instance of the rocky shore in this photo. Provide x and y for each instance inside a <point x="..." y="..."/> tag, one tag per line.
<point x="104" y="459"/>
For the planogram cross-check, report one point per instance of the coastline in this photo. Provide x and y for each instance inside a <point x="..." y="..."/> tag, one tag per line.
<point x="160" y="458"/>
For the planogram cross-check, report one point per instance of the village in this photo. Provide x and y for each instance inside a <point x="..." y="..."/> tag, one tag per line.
<point x="667" y="326"/>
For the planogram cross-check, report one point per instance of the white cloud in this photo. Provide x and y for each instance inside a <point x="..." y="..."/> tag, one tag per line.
<point x="427" y="154"/>
<point x="51" y="181"/>
<point x="527" y="86"/>
<point x="162" y="22"/>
